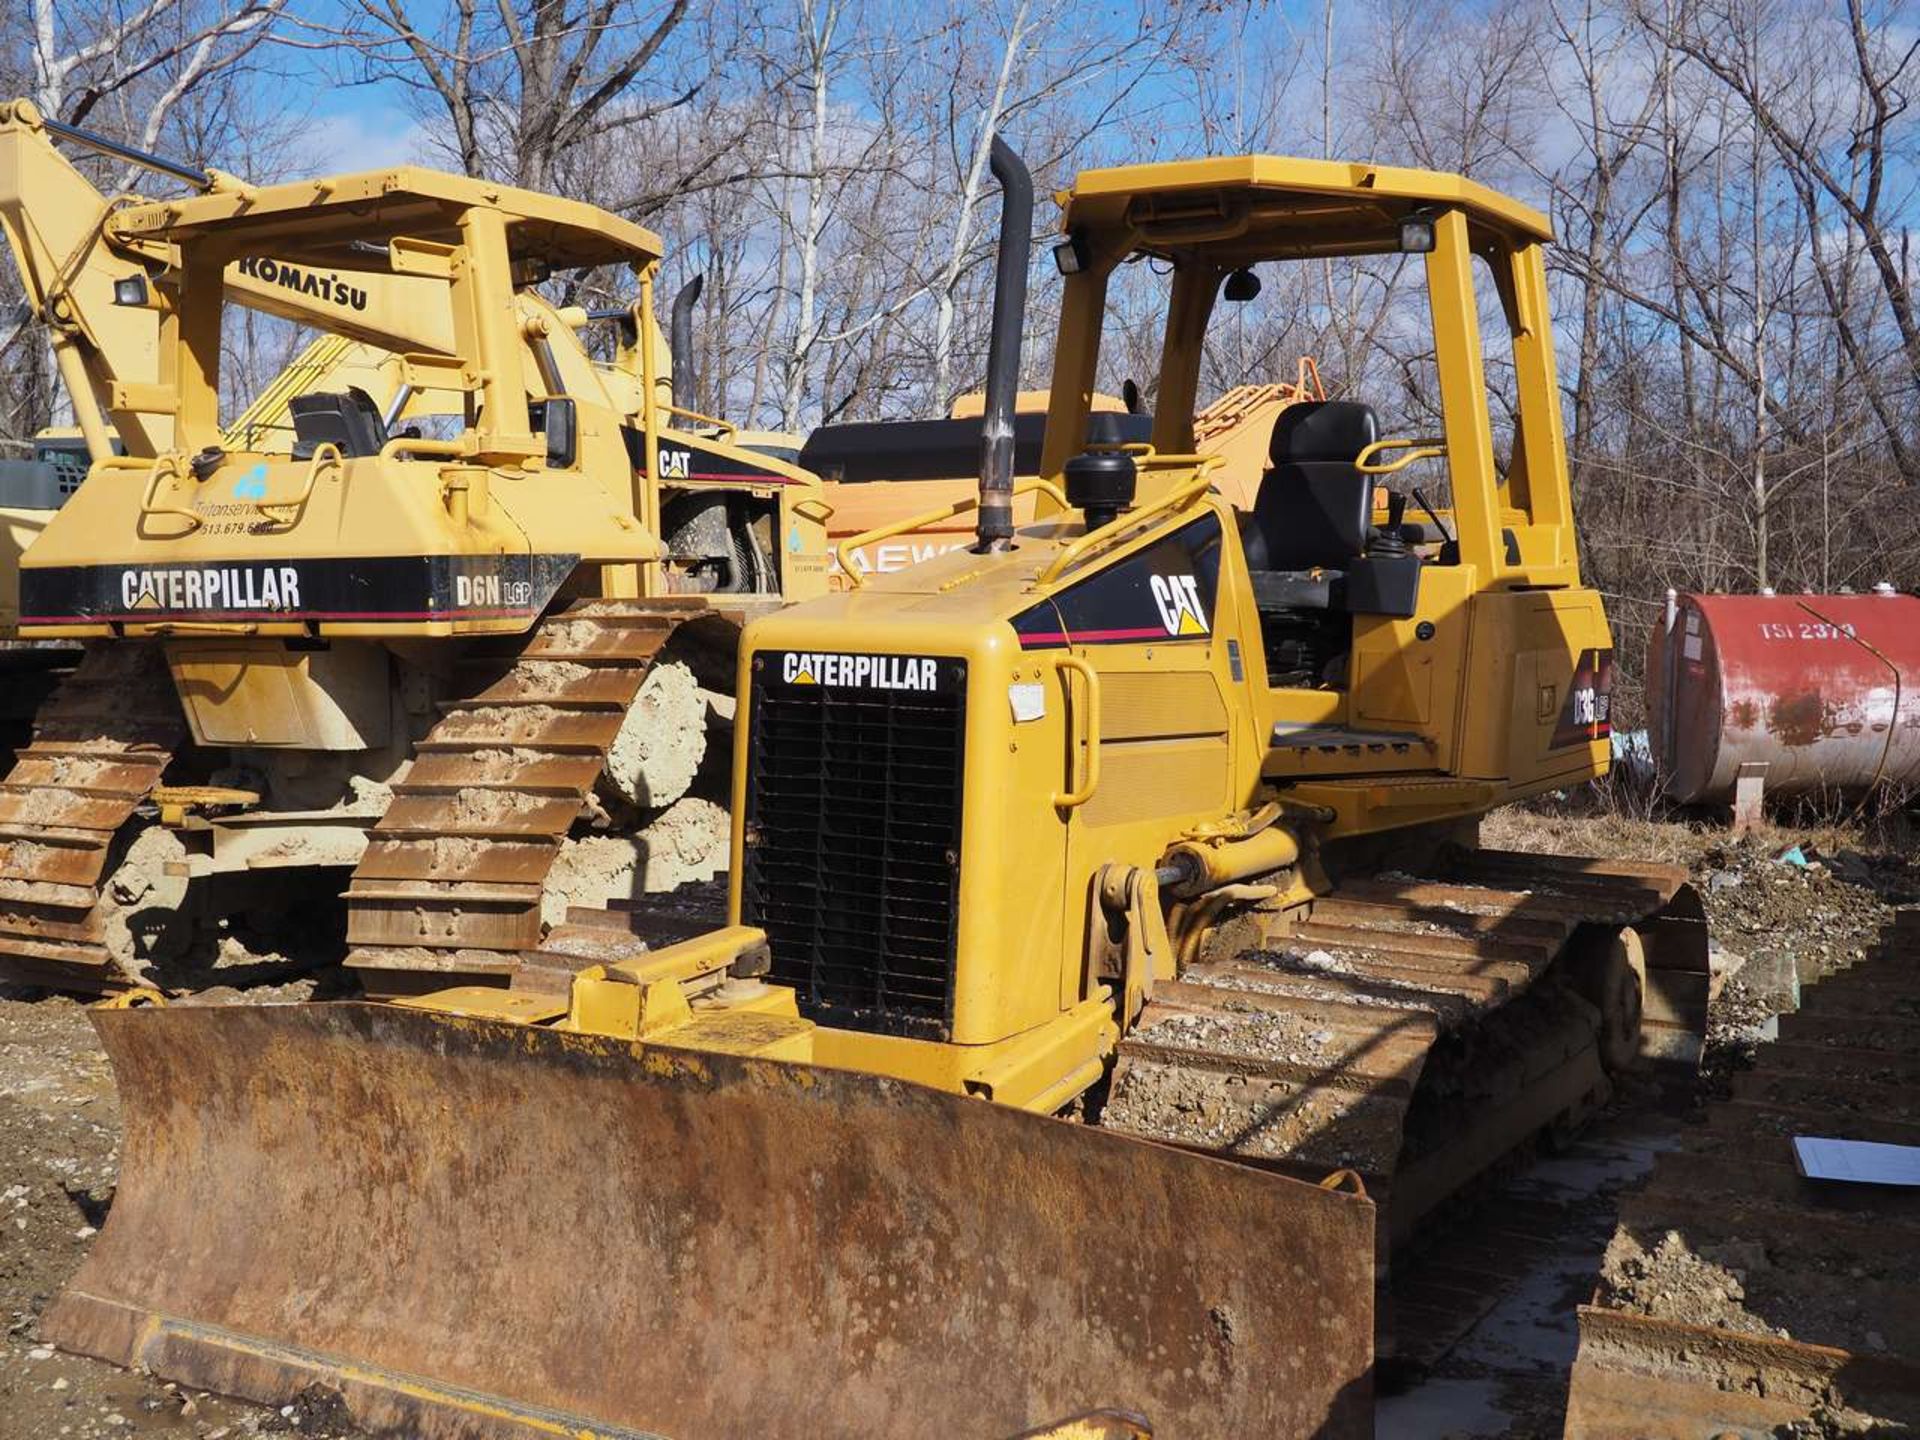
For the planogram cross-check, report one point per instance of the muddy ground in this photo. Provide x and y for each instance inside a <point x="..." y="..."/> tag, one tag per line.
<point x="1543" y="1227"/>
<point x="1773" y="919"/>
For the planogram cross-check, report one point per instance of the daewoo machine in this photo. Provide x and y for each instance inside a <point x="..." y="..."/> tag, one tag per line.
<point x="902" y="490"/>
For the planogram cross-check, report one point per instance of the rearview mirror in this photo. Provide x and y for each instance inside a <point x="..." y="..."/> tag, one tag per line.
<point x="562" y="428"/>
<point x="1242" y="286"/>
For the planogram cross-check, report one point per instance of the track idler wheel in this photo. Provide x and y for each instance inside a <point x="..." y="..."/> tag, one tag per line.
<point x="1609" y="970"/>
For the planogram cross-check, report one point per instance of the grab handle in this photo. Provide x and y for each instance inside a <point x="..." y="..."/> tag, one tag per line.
<point x="1082" y="718"/>
<point x="326" y="456"/>
<point x="1368" y="461"/>
<point x="165" y="467"/>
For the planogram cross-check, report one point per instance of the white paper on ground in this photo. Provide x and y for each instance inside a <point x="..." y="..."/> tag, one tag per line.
<point x="1864" y="1162"/>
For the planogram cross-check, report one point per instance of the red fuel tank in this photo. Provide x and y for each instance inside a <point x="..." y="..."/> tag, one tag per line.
<point x="1823" y="690"/>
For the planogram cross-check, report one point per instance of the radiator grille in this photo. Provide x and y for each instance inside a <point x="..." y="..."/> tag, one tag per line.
<point x="853" y="846"/>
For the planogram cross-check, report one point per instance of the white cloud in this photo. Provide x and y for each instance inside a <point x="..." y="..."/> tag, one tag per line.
<point x="365" y="139"/>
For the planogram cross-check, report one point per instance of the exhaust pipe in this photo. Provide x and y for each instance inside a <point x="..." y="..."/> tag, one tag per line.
<point x="995" y="528"/>
<point x="680" y="338"/>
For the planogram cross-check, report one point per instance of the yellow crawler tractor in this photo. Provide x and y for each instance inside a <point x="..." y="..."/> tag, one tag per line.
<point x="1111" y="973"/>
<point x="410" y="638"/>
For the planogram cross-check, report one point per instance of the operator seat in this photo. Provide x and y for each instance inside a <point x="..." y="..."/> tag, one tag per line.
<point x="350" y="420"/>
<point x="1310" y="542"/>
<point x="1314" y="509"/>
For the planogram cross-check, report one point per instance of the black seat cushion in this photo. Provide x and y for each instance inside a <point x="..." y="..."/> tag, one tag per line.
<point x="1314" y="509"/>
<point x="351" y="421"/>
<point x="1322" y="430"/>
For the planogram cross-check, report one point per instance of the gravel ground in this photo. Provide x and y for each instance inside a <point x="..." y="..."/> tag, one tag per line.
<point x="59" y="1155"/>
<point x="59" y="1129"/>
<point x="1779" y="925"/>
<point x="1775" y="924"/>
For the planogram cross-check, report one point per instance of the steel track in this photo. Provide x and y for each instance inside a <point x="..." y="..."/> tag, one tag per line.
<point x="1410" y="1029"/>
<point x="99" y="746"/>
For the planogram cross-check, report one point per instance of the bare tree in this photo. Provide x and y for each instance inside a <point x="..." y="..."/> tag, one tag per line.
<point x="1734" y="183"/>
<point x="138" y="73"/>
<point x="1844" y="171"/>
<point x="85" y="57"/>
<point x="520" y="83"/>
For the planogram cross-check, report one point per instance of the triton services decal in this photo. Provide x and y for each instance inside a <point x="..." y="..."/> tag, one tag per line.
<point x="1164" y="592"/>
<point x="388" y="588"/>
<point x="798" y="669"/>
<point x="1588" y="714"/>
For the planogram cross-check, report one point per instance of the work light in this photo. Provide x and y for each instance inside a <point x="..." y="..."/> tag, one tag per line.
<point x="1070" y="255"/>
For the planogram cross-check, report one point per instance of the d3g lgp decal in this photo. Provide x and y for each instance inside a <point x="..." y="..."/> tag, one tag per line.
<point x="1588" y="714"/>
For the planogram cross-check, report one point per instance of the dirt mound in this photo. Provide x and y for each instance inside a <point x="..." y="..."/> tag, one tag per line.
<point x="1671" y="1282"/>
<point x="685" y="843"/>
<point x="662" y="739"/>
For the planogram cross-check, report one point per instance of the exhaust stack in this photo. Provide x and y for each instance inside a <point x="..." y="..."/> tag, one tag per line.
<point x="995" y="526"/>
<point x="680" y="338"/>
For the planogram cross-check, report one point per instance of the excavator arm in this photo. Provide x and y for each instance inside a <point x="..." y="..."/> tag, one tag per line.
<point x="56" y="225"/>
<point x="103" y="293"/>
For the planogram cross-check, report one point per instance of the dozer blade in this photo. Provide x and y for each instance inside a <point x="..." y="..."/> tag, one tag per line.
<point x="473" y="1228"/>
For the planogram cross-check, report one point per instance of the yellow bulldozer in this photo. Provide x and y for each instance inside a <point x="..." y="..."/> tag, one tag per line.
<point x="406" y="637"/>
<point x="1111" y="974"/>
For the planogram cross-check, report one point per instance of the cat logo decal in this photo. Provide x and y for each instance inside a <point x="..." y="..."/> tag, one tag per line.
<point x="1177" y="597"/>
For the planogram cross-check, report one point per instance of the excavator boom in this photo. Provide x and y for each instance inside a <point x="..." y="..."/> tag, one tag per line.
<point x="70" y="251"/>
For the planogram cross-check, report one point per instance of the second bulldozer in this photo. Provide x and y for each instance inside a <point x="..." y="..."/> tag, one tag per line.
<point x="416" y="640"/>
<point x="881" y="477"/>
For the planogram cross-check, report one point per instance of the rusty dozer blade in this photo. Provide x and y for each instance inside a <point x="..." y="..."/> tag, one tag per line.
<point x="475" y="1228"/>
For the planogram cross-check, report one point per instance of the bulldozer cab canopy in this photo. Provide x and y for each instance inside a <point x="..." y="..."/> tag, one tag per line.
<point x="346" y="221"/>
<point x="1207" y="221"/>
<point x="1246" y="208"/>
<point x="427" y="266"/>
